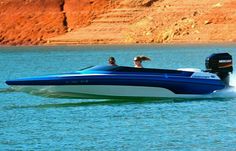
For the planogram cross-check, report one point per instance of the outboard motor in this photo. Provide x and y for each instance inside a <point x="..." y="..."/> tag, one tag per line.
<point x="221" y="64"/>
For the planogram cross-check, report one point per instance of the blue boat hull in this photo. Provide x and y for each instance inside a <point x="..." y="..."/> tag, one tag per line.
<point x="172" y="82"/>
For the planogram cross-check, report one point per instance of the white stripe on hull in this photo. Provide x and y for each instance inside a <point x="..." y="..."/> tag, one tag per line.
<point x="102" y="90"/>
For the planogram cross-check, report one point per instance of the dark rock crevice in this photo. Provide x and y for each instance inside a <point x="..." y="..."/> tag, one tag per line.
<point x="150" y="2"/>
<point x="65" y="23"/>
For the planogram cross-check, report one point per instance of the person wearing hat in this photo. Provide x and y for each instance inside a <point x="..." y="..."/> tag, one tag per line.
<point x="112" y="61"/>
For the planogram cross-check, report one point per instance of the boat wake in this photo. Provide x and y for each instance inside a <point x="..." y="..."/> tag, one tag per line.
<point x="6" y="90"/>
<point x="226" y="93"/>
<point x="233" y="80"/>
<point x="229" y="92"/>
<point x="89" y="103"/>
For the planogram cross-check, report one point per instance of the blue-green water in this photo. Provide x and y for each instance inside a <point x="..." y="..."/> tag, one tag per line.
<point x="31" y="122"/>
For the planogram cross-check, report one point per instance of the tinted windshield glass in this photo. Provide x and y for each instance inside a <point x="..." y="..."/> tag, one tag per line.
<point x="100" y="68"/>
<point x="132" y="70"/>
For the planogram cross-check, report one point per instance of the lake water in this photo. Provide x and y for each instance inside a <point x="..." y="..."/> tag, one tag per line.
<point x="31" y="122"/>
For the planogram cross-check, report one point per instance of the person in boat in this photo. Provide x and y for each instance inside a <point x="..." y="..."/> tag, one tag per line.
<point x="138" y="61"/>
<point x="112" y="61"/>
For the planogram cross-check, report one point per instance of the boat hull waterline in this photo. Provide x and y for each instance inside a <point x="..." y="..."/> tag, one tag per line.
<point x="103" y="92"/>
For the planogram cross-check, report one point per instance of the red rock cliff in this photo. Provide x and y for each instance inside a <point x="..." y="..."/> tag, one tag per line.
<point x="30" y="21"/>
<point x="81" y="12"/>
<point x="27" y="22"/>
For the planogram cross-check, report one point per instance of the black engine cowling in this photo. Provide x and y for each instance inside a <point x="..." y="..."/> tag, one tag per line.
<point x="220" y="64"/>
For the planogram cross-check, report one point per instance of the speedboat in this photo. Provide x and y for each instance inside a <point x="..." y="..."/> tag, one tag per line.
<point x="122" y="81"/>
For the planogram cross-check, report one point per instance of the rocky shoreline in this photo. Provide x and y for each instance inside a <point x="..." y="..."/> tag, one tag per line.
<point x="69" y="22"/>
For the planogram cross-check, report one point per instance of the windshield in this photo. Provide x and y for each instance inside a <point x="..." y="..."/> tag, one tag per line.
<point x="100" y="68"/>
<point x="122" y="69"/>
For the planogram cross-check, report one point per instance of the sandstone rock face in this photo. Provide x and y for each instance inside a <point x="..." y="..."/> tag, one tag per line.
<point x="189" y="21"/>
<point x="29" y="22"/>
<point x="80" y="13"/>
<point x="137" y="3"/>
